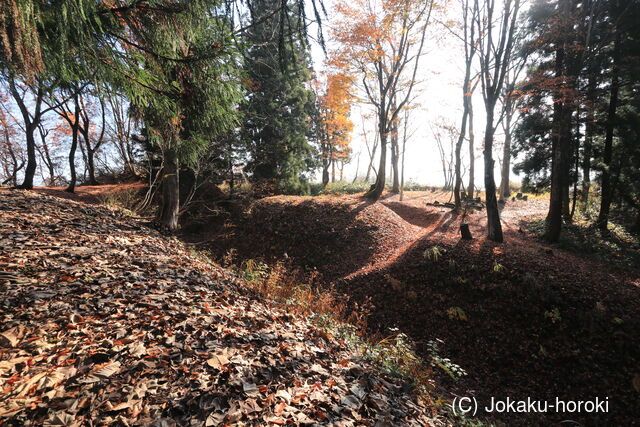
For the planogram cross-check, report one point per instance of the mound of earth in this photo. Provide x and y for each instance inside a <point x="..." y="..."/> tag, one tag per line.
<point x="335" y="235"/>
<point x="103" y="322"/>
<point x="523" y="319"/>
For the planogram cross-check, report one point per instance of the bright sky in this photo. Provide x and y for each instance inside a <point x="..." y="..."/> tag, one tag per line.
<point x="440" y="98"/>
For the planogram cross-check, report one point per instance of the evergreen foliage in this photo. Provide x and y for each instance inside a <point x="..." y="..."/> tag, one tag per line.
<point x="277" y="123"/>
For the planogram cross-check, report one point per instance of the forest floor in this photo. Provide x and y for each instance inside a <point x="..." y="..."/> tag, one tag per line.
<point x="104" y="321"/>
<point x="524" y="319"/>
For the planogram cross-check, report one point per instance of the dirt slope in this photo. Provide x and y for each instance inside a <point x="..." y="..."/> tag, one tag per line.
<point x="523" y="319"/>
<point x="103" y="321"/>
<point x="336" y="235"/>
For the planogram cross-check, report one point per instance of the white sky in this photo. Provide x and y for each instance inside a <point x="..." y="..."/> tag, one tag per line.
<point x="440" y="97"/>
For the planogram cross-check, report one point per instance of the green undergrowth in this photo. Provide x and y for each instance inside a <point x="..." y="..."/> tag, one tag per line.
<point x="330" y="312"/>
<point x="581" y="236"/>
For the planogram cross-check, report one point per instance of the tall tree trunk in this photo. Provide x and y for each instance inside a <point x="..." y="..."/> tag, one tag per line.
<point x="404" y="146"/>
<point x="170" y="203"/>
<point x="333" y="170"/>
<point x="395" y="157"/>
<point x="607" y="190"/>
<point x="505" y="191"/>
<point x="567" y="137"/>
<point x="355" y="177"/>
<point x="553" y="225"/>
<point x="588" y="142"/>
<point x="372" y="159"/>
<point x="325" y="172"/>
<point x="30" y="126"/>
<point x="378" y="187"/>
<point x="458" y="158"/>
<point x="91" y="167"/>
<point x="493" y="214"/>
<point x="74" y="144"/>
<point x="32" y="165"/>
<point x="577" y="167"/>
<point x="472" y="159"/>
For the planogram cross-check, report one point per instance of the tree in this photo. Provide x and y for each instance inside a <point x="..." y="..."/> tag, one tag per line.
<point x="87" y="130"/>
<point x="71" y="115"/>
<point x="335" y="111"/>
<point x="510" y="101"/>
<point x="496" y="48"/>
<point x="119" y="128"/>
<point x="381" y="43"/>
<point x="469" y="42"/>
<point x="11" y="154"/>
<point x="445" y="135"/>
<point x="201" y="80"/>
<point x="277" y="114"/>
<point x="32" y="114"/>
<point x="607" y="190"/>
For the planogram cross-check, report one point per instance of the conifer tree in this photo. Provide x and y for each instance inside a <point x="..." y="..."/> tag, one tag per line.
<point x="279" y="103"/>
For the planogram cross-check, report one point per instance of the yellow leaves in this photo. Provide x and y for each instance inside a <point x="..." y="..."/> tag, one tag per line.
<point x="336" y="111"/>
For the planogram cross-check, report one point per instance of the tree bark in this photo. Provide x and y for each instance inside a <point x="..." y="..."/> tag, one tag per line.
<point x="372" y="159"/>
<point x="553" y="225"/>
<point x="567" y="137"/>
<point x="378" y="187"/>
<point x="588" y="143"/>
<point x="395" y="156"/>
<point x="505" y="191"/>
<point x="74" y="145"/>
<point x="169" y="208"/>
<point x="325" y="172"/>
<point x="458" y="159"/>
<point x="472" y="160"/>
<point x="493" y="214"/>
<point x="607" y="190"/>
<point x="30" y="126"/>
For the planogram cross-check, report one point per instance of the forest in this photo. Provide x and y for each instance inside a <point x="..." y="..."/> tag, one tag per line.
<point x="319" y="212"/>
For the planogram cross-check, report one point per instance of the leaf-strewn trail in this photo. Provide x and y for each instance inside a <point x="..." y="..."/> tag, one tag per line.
<point x="103" y="321"/>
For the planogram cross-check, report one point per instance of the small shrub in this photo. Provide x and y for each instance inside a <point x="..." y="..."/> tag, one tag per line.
<point x="454" y="370"/>
<point x="340" y="187"/>
<point x="553" y="315"/>
<point x="498" y="268"/>
<point x="457" y="313"/>
<point x="433" y="253"/>
<point x="126" y="198"/>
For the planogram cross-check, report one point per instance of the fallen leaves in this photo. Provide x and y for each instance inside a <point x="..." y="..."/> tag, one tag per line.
<point x="106" y="323"/>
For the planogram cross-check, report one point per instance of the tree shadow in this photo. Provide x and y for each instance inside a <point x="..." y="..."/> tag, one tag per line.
<point x="524" y="315"/>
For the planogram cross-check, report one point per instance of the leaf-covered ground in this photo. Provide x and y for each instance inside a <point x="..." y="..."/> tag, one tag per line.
<point x="523" y="319"/>
<point x="106" y="322"/>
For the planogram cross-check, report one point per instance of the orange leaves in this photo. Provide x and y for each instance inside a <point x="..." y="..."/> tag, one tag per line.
<point x="335" y="107"/>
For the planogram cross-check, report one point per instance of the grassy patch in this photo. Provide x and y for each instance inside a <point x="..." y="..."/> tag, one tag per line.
<point x="617" y="246"/>
<point x="124" y="198"/>
<point x="340" y="187"/>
